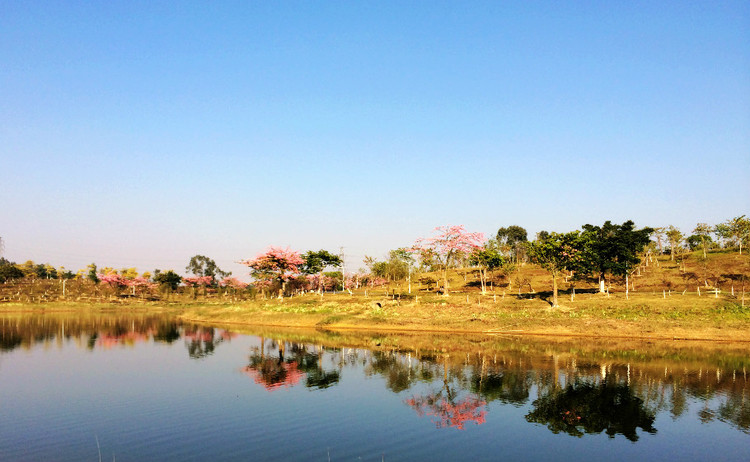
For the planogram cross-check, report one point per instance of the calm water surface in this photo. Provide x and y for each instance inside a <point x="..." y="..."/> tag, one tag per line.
<point x="140" y="388"/>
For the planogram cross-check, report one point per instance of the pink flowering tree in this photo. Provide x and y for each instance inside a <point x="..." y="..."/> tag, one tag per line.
<point x="232" y="283"/>
<point x="448" y="243"/>
<point x="141" y="283"/>
<point x="198" y="281"/>
<point x="275" y="264"/>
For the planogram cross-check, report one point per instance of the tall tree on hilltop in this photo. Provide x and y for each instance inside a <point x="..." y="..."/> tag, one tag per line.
<point x="613" y="249"/>
<point x="735" y="230"/>
<point x="703" y="231"/>
<point x="513" y="238"/>
<point x="202" y="266"/>
<point x="675" y="237"/>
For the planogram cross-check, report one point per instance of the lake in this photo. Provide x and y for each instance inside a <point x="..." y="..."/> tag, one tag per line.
<point x="139" y="387"/>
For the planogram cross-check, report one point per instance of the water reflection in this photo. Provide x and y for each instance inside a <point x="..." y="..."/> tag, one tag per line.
<point x="276" y="368"/>
<point x="455" y="382"/>
<point x="569" y="393"/>
<point x="107" y="332"/>
<point x="583" y="407"/>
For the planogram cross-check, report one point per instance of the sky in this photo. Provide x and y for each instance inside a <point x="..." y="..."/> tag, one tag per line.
<point x="141" y="133"/>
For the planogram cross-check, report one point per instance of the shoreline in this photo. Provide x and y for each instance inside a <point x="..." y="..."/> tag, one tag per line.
<point x="590" y="317"/>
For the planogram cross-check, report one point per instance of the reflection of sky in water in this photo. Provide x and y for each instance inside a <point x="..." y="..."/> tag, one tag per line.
<point x="149" y="400"/>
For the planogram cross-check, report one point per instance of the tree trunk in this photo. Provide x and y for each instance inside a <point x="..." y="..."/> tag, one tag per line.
<point x="627" y="286"/>
<point x="554" y="290"/>
<point x="601" y="284"/>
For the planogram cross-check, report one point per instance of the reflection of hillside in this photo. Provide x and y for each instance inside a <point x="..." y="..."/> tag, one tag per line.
<point x="106" y="331"/>
<point x="646" y="380"/>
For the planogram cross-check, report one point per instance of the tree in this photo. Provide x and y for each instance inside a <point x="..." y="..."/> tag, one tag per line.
<point x="275" y="264"/>
<point x="447" y="245"/>
<point x="613" y="249"/>
<point x="557" y="252"/>
<point x="735" y="230"/>
<point x="316" y="262"/>
<point x="486" y="258"/>
<point x="202" y="266"/>
<point x="168" y="279"/>
<point x="9" y="271"/>
<point x="92" y="273"/>
<point x="703" y="232"/>
<point x="675" y="237"/>
<point x="513" y="238"/>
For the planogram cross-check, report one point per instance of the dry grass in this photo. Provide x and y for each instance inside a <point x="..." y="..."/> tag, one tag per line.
<point x="666" y="303"/>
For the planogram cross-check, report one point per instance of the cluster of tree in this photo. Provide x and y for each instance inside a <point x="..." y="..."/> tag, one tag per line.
<point x="733" y="233"/>
<point x="603" y="252"/>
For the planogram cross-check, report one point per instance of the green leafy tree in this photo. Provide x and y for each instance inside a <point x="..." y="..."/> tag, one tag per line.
<point x="92" y="274"/>
<point x="486" y="258"/>
<point x="167" y="279"/>
<point x="703" y="232"/>
<point x="675" y="237"/>
<point x="316" y="262"/>
<point x="612" y="249"/>
<point x="202" y="266"/>
<point x="9" y="271"/>
<point x="556" y="253"/>
<point x="513" y="238"/>
<point x="735" y="230"/>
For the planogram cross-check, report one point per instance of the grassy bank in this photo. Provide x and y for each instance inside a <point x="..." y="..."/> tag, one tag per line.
<point x="673" y="300"/>
<point x="650" y="316"/>
<point x="679" y="316"/>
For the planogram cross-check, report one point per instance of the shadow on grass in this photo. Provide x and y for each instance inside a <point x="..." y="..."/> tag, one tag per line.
<point x="546" y="295"/>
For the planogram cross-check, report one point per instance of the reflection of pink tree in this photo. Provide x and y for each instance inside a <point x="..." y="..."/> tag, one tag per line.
<point x="447" y="408"/>
<point x="272" y="371"/>
<point x="274" y="374"/>
<point x="275" y="264"/>
<point x="450" y="413"/>
<point x="448" y="243"/>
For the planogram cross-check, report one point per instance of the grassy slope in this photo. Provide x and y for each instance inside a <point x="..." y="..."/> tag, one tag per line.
<point x="665" y="304"/>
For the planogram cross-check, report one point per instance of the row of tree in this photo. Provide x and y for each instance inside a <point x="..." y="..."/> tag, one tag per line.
<point x="601" y="252"/>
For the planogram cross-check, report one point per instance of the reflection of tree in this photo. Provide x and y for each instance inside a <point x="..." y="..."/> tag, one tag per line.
<point x="10" y="340"/>
<point x="166" y="333"/>
<point x="201" y="341"/>
<point x="592" y="408"/>
<point x="310" y="363"/>
<point x="736" y="410"/>
<point x="289" y="366"/>
<point x="450" y="413"/>
<point x="447" y="408"/>
<point x="272" y="372"/>
<point x="510" y="387"/>
<point x="91" y="331"/>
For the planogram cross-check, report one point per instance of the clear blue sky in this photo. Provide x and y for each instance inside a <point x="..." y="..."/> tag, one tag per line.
<point x="142" y="133"/>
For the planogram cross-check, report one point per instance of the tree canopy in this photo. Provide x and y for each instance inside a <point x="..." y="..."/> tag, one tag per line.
<point x="316" y="262"/>
<point x="202" y="266"/>
<point x="612" y="249"/>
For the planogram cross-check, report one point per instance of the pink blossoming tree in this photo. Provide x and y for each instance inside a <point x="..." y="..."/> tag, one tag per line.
<point x="275" y="264"/>
<point x="447" y="244"/>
